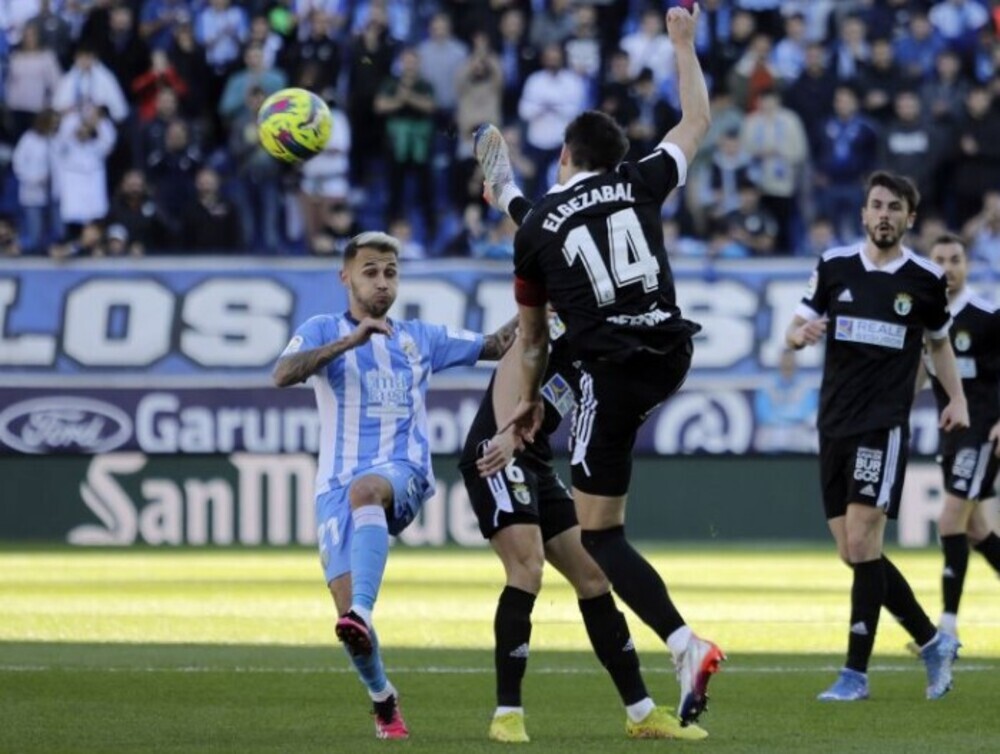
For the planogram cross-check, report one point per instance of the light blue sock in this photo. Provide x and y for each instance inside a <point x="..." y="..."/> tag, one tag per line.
<point x="369" y="552"/>
<point x="371" y="669"/>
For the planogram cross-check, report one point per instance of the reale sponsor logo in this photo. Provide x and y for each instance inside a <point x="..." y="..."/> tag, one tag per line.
<point x="64" y="423"/>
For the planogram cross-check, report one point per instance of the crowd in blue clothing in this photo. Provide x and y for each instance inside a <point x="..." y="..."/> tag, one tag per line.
<point x="128" y="126"/>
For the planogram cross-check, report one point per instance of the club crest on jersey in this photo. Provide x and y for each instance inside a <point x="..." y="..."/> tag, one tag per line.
<point x="521" y="493"/>
<point x="903" y="304"/>
<point x="411" y="351"/>
<point x="963" y="341"/>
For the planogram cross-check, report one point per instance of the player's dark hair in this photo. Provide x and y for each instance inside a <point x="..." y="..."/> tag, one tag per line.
<point x="898" y="185"/>
<point x="947" y="238"/>
<point x="371" y="239"/>
<point x="595" y="141"/>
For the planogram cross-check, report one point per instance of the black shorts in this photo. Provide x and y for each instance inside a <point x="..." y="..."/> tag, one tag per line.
<point x="868" y="469"/>
<point x="520" y="495"/>
<point x="613" y="400"/>
<point x="971" y="471"/>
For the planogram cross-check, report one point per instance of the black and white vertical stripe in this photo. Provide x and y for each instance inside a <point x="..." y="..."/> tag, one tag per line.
<point x="583" y="421"/>
<point x="889" y="468"/>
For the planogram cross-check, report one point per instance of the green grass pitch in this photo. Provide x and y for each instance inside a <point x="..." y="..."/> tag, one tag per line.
<point x="233" y="651"/>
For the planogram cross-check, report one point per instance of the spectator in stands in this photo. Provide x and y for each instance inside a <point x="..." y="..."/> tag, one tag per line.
<point x="879" y="82"/>
<point x="789" y="56"/>
<point x="472" y="236"/>
<point x="34" y="165"/>
<point x="615" y="96"/>
<point x="147" y="86"/>
<point x="112" y="32"/>
<point x="83" y="142"/>
<point x="753" y="73"/>
<point x="649" y="47"/>
<point x="325" y="179"/>
<point x="552" y="97"/>
<point x="9" y="244"/>
<point x="158" y="18"/>
<point x="480" y="90"/>
<point x="337" y="229"/>
<point x="254" y="75"/>
<point x="270" y="42"/>
<point x="913" y="145"/>
<point x="517" y="59"/>
<point x="584" y="55"/>
<point x="851" y="51"/>
<point x="88" y="85"/>
<point x="171" y="169"/>
<point x="729" y="170"/>
<point x="944" y="93"/>
<point x="54" y="32"/>
<point x="499" y="243"/>
<point x="751" y="225"/>
<point x="977" y="169"/>
<point x="785" y="411"/>
<point x="118" y="244"/>
<point x="847" y="152"/>
<point x="653" y="116"/>
<point x="983" y="231"/>
<point x="220" y="29"/>
<point x="210" y="221"/>
<point x="409" y="247"/>
<point x="188" y="59"/>
<point x="136" y="220"/>
<point x="820" y="237"/>
<point x="918" y="47"/>
<point x="407" y="104"/>
<point x="958" y="22"/>
<point x="730" y="45"/>
<point x="314" y="61"/>
<point x="811" y="95"/>
<point x="370" y="63"/>
<point x="87" y="242"/>
<point x="551" y="25"/>
<point x="256" y="187"/>
<point x="775" y="141"/>
<point x="441" y="55"/>
<point x="32" y="75"/>
<point x="153" y="135"/>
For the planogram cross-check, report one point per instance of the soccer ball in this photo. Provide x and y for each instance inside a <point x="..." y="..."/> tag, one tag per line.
<point x="294" y="125"/>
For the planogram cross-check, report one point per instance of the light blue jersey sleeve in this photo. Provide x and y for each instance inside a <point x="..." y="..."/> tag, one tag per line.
<point x="313" y="333"/>
<point x="448" y="347"/>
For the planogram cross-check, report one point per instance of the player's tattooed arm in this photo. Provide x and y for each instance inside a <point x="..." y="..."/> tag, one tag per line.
<point x="497" y="344"/>
<point x="299" y="367"/>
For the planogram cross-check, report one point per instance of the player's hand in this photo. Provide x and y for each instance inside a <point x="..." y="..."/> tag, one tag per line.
<point x="681" y="24"/>
<point x="488" y="195"/>
<point x="498" y="453"/>
<point x="955" y="416"/>
<point x="525" y="421"/>
<point x="368" y="327"/>
<point x="995" y="439"/>
<point x="810" y="333"/>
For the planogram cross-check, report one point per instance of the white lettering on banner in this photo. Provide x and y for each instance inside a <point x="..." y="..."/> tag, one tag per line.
<point x="447" y="512"/>
<point x="446" y="429"/>
<point x="161" y="426"/>
<point x="21" y="350"/>
<point x="144" y="309"/>
<point x="871" y="332"/>
<point x="496" y="299"/>
<point x="436" y="301"/>
<point x="719" y="422"/>
<point x="275" y="482"/>
<point x="236" y="322"/>
<point x="726" y="311"/>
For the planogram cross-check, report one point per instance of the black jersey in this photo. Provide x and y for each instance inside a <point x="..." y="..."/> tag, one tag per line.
<point x="557" y="390"/>
<point x="877" y="321"/>
<point x="975" y="337"/>
<point x="596" y="245"/>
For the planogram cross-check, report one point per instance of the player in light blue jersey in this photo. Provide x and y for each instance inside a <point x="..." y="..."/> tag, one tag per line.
<point x="370" y="375"/>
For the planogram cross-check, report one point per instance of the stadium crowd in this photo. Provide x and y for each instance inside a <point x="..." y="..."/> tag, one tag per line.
<point x="128" y="127"/>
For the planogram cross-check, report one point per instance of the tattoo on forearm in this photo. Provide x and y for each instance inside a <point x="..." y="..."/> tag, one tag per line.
<point x="299" y="367"/>
<point x="497" y="344"/>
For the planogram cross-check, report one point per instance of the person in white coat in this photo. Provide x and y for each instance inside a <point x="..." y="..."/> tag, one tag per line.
<point x="83" y="143"/>
<point x="33" y="163"/>
<point x="88" y="83"/>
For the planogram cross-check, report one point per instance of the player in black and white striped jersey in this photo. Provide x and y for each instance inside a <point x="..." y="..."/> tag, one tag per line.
<point x="969" y="459"/>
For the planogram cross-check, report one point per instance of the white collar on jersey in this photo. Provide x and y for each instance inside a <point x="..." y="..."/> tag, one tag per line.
<point x="573" y="180"/>
<point x="890" y="268"/>
<point x="960" y="301"/>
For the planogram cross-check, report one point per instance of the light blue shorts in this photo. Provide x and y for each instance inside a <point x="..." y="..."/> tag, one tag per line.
<point x="335" y="527"/>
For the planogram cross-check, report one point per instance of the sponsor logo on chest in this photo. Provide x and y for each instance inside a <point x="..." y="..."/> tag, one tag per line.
<point x="871" y="332"/>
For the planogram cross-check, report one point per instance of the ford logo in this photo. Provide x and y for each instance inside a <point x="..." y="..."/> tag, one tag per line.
<point x="64" y="424"/>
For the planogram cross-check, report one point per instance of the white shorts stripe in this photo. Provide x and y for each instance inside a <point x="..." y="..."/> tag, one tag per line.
<point x="976" y="488"/>
<point x="889" y="470"/>
<point x="584" y="421"/>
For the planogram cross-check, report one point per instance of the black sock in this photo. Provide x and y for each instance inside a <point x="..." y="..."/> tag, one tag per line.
<point x="867" y="594"/>
<point x="612" y="643"/>
<point x="512" y="635"/>
<point x="956" y="561"/>
<point x="990" y="549"/>
<point x="900" y="601"/>
<point x="633" y="578"/>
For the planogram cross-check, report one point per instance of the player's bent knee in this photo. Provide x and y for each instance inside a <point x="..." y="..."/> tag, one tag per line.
<point x="369" y="490"/>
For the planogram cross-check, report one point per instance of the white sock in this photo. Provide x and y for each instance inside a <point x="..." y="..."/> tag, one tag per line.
<point x="506" y="710"/>
<point x="364" y="613"/>
<point x="678" y="641"/>
<point x="381" y="696"/>
<point x="640" y="710"/>
<point x="948" y="623"/>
